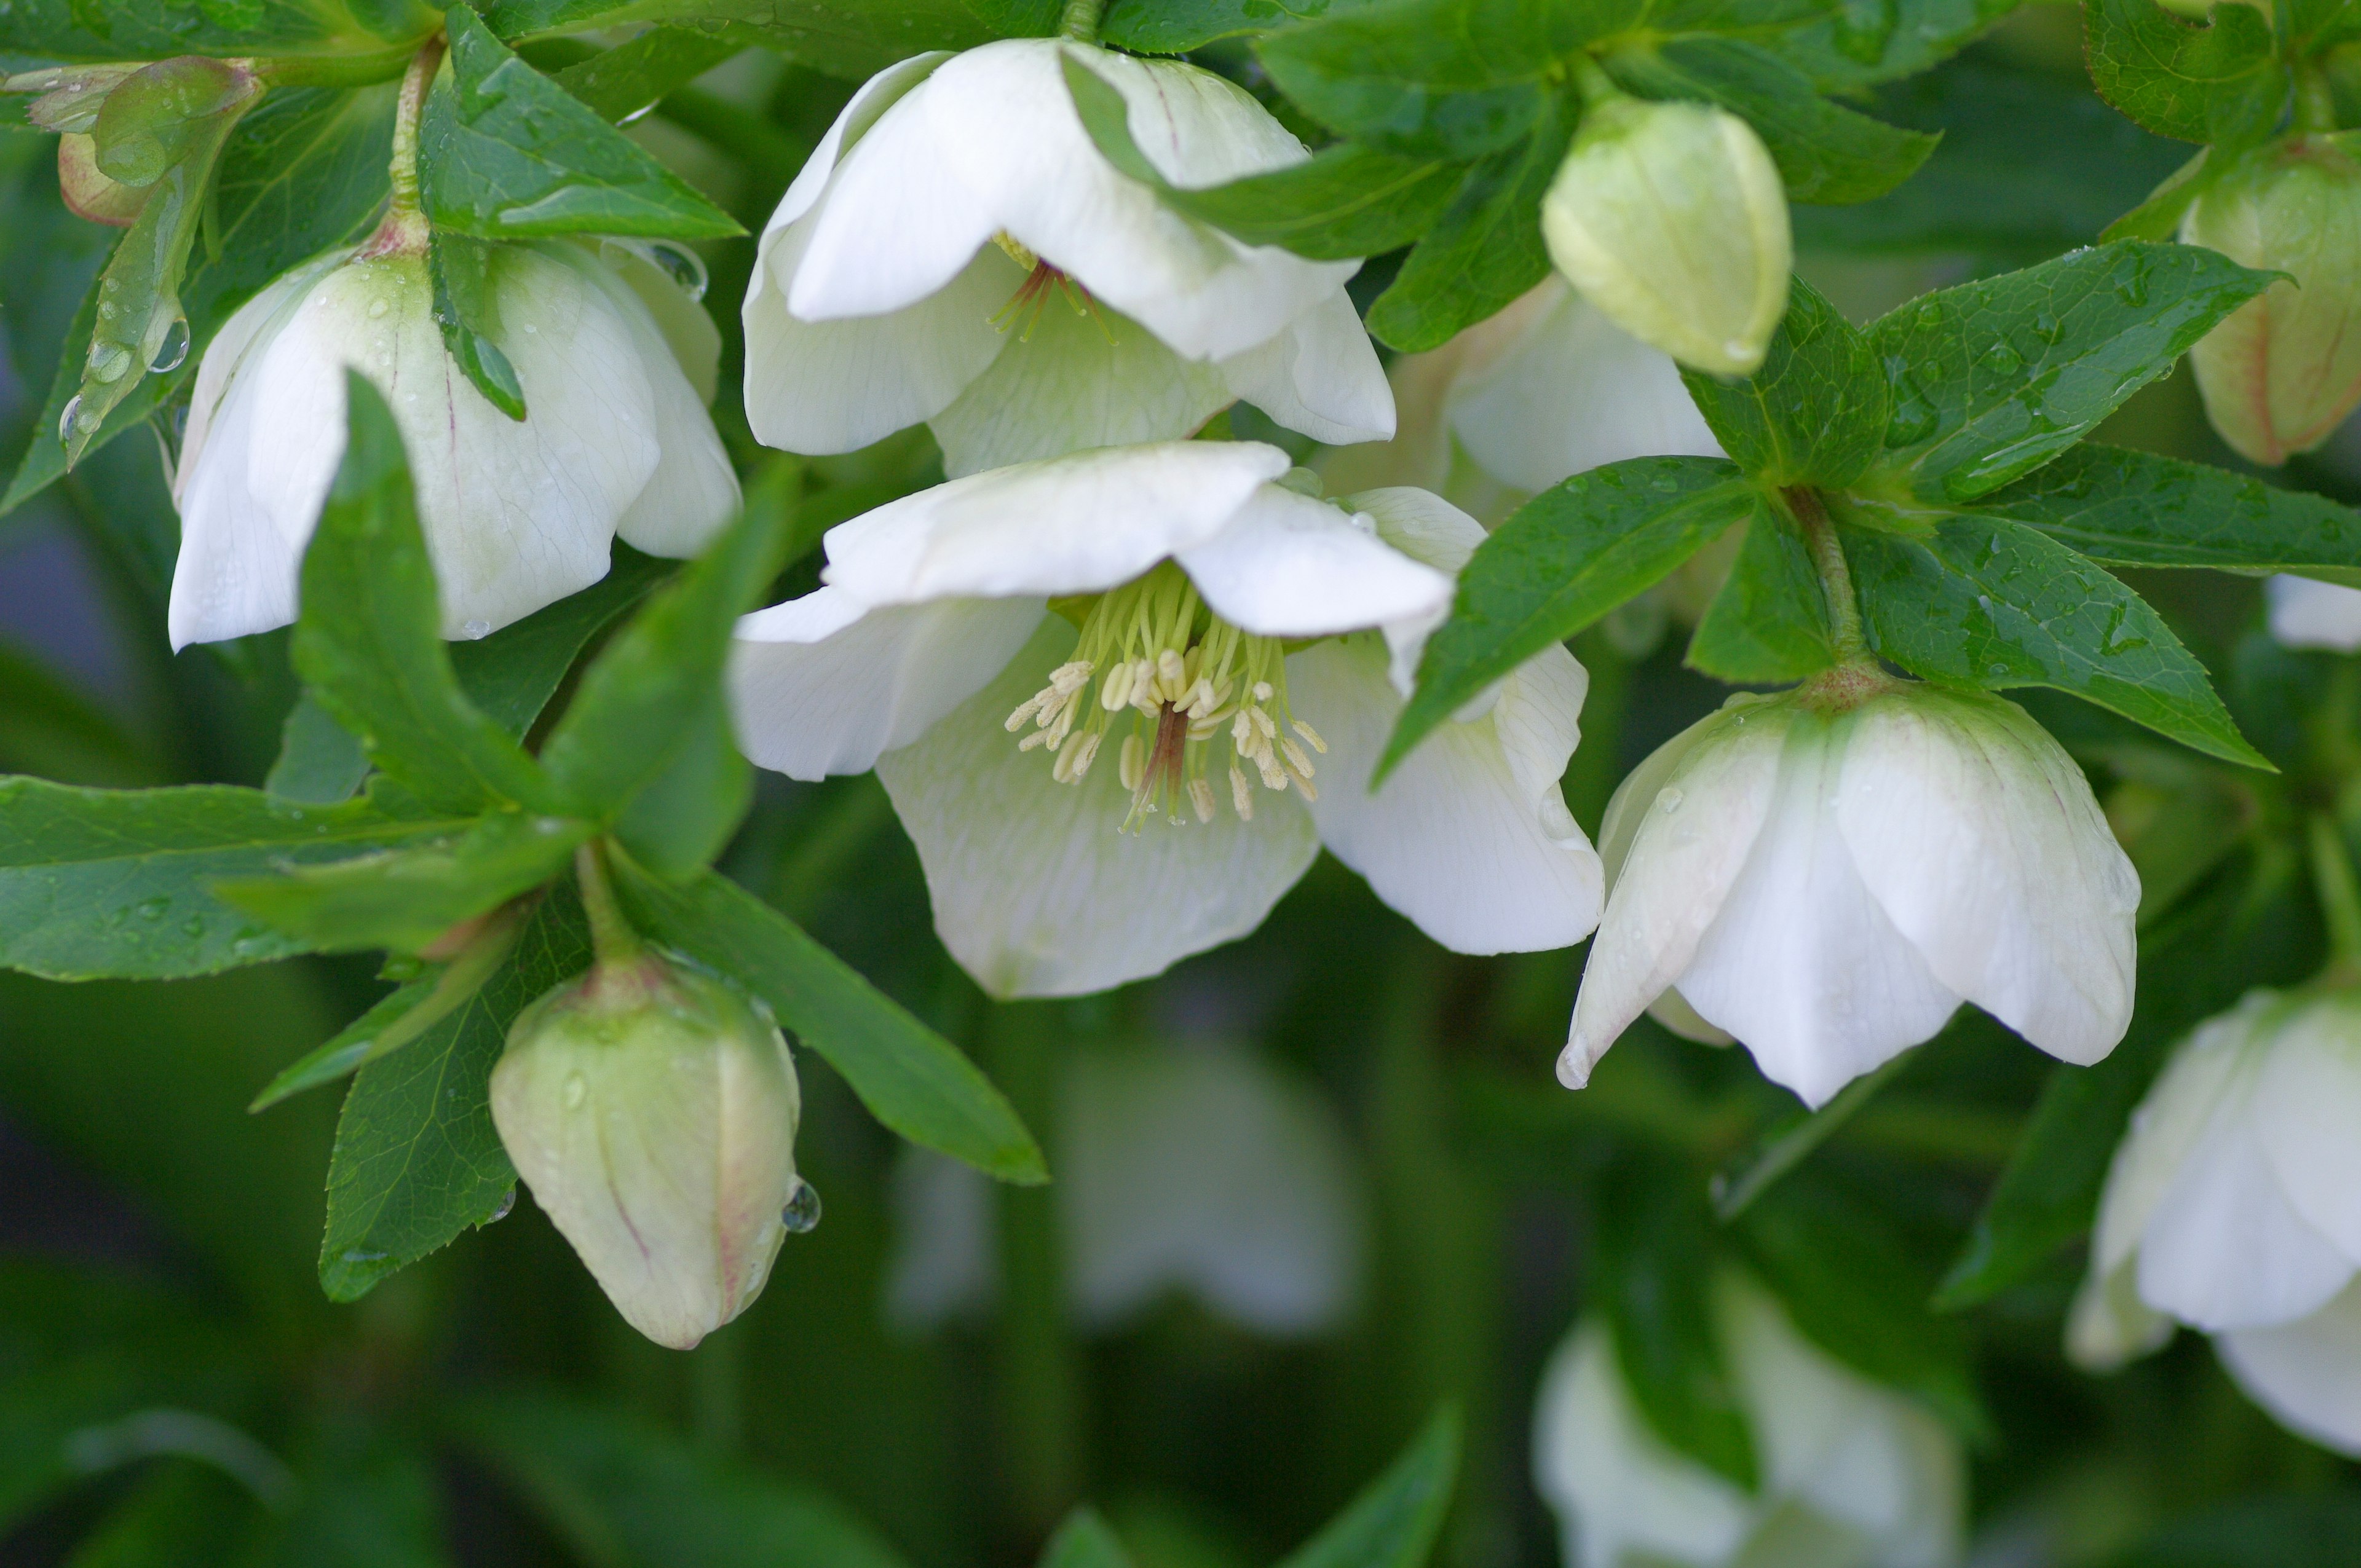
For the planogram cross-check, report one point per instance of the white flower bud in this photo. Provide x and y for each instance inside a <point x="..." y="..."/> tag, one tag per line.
<point x="2285" y="369"/>
<point x="1851" y="1473"/>
<point x="516" y="514"/>
<point x="1826" y="878"/>
<point x="2308" y="613"/>
<point x="652" y="1111"/>
<point x="1672" y="219"/>
<point x="2234" y="1205"/>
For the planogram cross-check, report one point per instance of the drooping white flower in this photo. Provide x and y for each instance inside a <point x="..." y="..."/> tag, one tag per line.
<point x="1852" y="1474"/>
<point x="1827" y="880"/>
<point x="2307" y="613"/>
<point x="957" y="251"/>
<point x="2234" y="1205"/>
<point x="1099" y="690"/>
<point x="1545" y="389"/>
<point x="516" y="514"/>
<point x="1195" y="1168"/>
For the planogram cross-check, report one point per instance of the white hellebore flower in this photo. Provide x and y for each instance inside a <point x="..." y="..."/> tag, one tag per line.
<point x="959" y="251"/>
<point x="2306" y="613"/>
<point x="1196" y="1169"/>
<point x="616" y="366"/>
<point x="1853" y="1475"/>
<point x="1099" y="690"/>
<point x="2234" y="1205"/>
<point x="1826" y="874"/>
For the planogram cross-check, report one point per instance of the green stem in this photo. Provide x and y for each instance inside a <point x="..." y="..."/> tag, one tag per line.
<point x="611" y="937"/>
<point x="1845" y="639"/>
<point x="404" y="230"/>
<point x="1785" y="1149"/>
<point x="1590" y="79"/>
<point x="1080" y="22"/>
<point x="2315" y="101"/>
<point x="333" y="70"/>
<point x="2340" y="899"/>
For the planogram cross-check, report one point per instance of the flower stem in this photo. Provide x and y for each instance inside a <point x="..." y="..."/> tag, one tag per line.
<point x="2340" y="899"/>
<point x="2316" y="103"/>
<point x="1080" y="22"/>
<point x="1845" y="639"/>
<point x="611" y="937"/>
<point x="404" y="229"/>
<point x="1590" y="79"/>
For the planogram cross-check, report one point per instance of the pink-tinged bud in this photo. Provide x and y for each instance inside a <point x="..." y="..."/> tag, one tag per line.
<point x="2285" y="369"/>
<point x="651" y="1111"/>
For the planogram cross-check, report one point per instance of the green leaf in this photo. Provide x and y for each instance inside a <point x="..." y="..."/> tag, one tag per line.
<point x="505" y="153"/>
<point x="1652" y="1275"/>
<point x="319" y="762"/>
<point x="97" y="884"/>
<point x="646" y="697"/>
<point x="2216" y="81"/>
<point x="1178" y="27"/>
<point x="1824" y="152"/>
<point x="1394" y="1521"/>
<point x="1485" y="249"/>
<point x="911" y="1079"/>
<point x="1769" y="622"/>
<point x="369" y="642"/>
<point x="461" y="268"/>
<point x="1458" y="77"/>
<point x="1857" y="43"/>
<point x="851" y="39"/>
<point x="615" y="1489"/>
<point x="511" y="675"/>
<point x="1815" y="413"/>
<point x="684" y="817"/>
<point x="1994" y="379"/>
<point x="2158" y="216"/>
<point x="1982" y="602"/>
<point x="1084" y="1541"/>
<point x="2134" y="508"/>
<point x="151" y="29"/>
<point x="405" y="898"/>
<point x="619" y="83"/>
<point x="1565" y="558"/>
<point x="417" y="1158"/>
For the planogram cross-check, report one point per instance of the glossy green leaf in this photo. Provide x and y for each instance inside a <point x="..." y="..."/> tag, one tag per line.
<point x="1985" y="603"/>
<point x="911" y="1079"/>
<point x="1565" y="558"/>
<point x="319" y="762"/>
<point x="152" y="29"/>
<point x="461" y="270"/>
<point x="505" y="153"/>
<point x="2216" y="81"/>
<point x="117" y="883"/>
<point x="511" y="675"/>
<point x="1176" y="26"/>
<point x="1815" y="413"/>
<point x="1485" y="249"/>
<point x="1857" y="43"/>
<point x="619" y="83"/>
<point x="1824" y="152"/>
<point x="1456" y="78"/>
<point x="851" y="39"/>
<point x="417" y="1158"/>
<point x="683" y="817"/>
<point x="1395" y="1520"/>
<point x="1768" y="624"/>
<point x="369" y="640"/>
<point x="1994" y="379"/>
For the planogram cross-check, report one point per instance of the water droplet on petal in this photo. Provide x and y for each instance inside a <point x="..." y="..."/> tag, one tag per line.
<point x="476" y="629"/>
<point x="577" y="1090"/>
<point x="802" y="1212"/>
<point x="682" y="265"/>
<point x="1669" y="800"/>
<point x="174" y="349"/>
<point x="377" y="308"/>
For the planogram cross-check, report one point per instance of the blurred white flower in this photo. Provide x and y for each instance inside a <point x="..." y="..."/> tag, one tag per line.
<point x="1827" y="880"/>
<point x="1189" y="646"/>
<point x="2306" y="613"/>
<point x="2234" y="1205"/>
<point x="1852" y="1474"/>
<point x="1198" y="1169"/>
<point x="516" y="514"/>
<point x="959" y="251"/>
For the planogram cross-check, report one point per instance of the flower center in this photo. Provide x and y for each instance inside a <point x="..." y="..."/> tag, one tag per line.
<point x="1032" y="297"/>
<point x="1190" y="681"/>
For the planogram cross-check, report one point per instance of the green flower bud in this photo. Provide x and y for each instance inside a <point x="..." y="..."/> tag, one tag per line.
<point x="652" y="1111"/>
<point x="1671" y="218"/>
<point x="2285" y="369"/>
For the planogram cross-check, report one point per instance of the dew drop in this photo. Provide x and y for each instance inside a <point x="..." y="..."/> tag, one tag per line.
<point x="377" y="308"/>
<point x="500" y="1210"/>
<point x="1669" y="800"/>
<point x="2047" y="327"/>
<point x="476" y="629"/>
<point x="66" y="419"/>
<point x="108" y="361"/>
<point x="359" y="1254"/>
<point x="577" y="1090"/>
<point x="2003" y="360"/>
<point x="153" y="908"/>
<point x="174" y="349"/>
<point x="683" y="266"/>
<point x="802" y="1212"/>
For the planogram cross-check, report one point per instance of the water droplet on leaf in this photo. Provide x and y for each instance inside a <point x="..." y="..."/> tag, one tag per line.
<point x="500" y="1209"/>
<point x="108" y="361"/>
<point x="174" y="349"/>
<point x="66" y="419"/>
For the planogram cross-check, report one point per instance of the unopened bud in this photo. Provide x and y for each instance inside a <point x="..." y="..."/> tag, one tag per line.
<point x="2285" y="369"/>
<point x="652" y="1111"/>
<point x="1671" y="219"/>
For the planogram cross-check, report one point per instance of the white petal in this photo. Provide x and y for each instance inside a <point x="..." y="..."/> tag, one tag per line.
<point x="2308" y="1107"/>
<point x="1573" y="392"/>
<point x="821" y="685"/>
<point x="1075" y="525"/>
<point x="2309" y="614"/>
<point x="1036" y="890"/>
<point x="2224" y="1248"/>
<point x="688" y="332"/>
<point x="1319" y="376"/>
<point x="2207" y="1076"/>
<point x="1801" y="964"/>
<point x="1671" y="855"/>
<point x="874" y="97"/>
<point x="1068" y="381"/>
<point x="2109" y="1326"/>
<point x="2307" y="1374"/>
<point x="837" y="386"/>
<point x="1288" y="565"/>
<point x="1425" y="528"/>
<point x="1978" y="838"/>
<point x="1469" y="837"/>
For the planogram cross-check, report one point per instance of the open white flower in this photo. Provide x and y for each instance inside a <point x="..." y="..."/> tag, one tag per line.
<point x="2234" y="1205"/>
<point x="1853" y="1475"/>
<point x="516" y="514"/>
<point x="957" y="251"/>
<point x="1828" y="878"/>
<point x="1099" y="690"/>
<point x="2307" y="613"/>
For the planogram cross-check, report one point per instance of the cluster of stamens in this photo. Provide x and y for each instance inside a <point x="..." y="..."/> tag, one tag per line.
<point x="1041" y="281"/>
<point x="1188" y="678"/>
